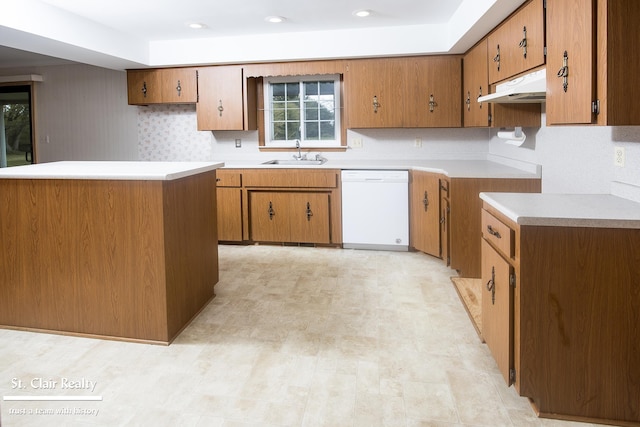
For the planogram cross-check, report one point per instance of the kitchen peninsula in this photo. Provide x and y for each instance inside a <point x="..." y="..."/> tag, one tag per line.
<point x="561" y="304"/>
<point x="119" y="250"/>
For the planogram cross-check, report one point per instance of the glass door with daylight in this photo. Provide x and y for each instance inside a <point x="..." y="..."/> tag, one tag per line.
<point x="16" y="126"/>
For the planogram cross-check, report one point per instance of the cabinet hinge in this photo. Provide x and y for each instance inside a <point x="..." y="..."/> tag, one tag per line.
<point x="545" y="51"/>
<point x="512" y="280"/>
<point x="595" y="107"/>
<point x="512" y="375"/>
<point x="490" y="118"/>
<point x="544" y="4"/>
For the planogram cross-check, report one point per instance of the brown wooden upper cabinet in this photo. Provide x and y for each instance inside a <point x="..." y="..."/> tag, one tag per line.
<point x="517" y="45"/>
<point x="476" y="83"/>
<point x="593" y="72"/>
<point x="162" y="86"/>
<point x="225" y="101"/>
<point x="403" y="92"/>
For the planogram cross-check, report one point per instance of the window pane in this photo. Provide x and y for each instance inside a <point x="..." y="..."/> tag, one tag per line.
<point x="293" y="111"/>
<point x="327" y="113"/>
<point x="326" y="88"/>
<point x="293" y="131"/>
<point x="278" y="115"/>
<point x="327" y="130"/>
<point x="310" y="88"/>
<point x="277" y="91"/>
<point x="279" y="132"/>
<point x="310" y="113"/>
<point x="293" y="91"/>
<point x="311" y="102"/>
<point x="311" y="129"/>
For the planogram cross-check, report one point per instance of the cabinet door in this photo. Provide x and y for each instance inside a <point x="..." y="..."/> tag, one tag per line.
<point x="475" y="83"/>
<point x="432" y="93"/>
<point x="179" y="85"/>
<point x="229" y="210"/>
<point x="143" y="87"/>
<point x="517" y="45"/>
<point x="373" y="93"/>
<point x="220" y="105"/>
<point x="570" y="29"/>
<point x="309" y="217"/>
<point x="425" y="212"/>
<point x="497" y="308"/>
<point x="268" y="217"/>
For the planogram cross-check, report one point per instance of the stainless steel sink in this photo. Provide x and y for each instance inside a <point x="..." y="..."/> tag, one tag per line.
<point x="301" y="162"/>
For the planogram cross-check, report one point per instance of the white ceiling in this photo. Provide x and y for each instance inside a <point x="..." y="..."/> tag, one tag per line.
<point x="167" y="19"/>
<point x="128" y="33"/>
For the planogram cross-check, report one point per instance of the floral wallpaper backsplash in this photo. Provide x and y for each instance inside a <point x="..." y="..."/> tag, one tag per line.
<point x="169" y="133"/>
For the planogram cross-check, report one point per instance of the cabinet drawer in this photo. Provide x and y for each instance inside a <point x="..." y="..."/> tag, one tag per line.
<point x="292" y="178"/>
<point x="228" y="178"/>
<point x="498" y="233"/>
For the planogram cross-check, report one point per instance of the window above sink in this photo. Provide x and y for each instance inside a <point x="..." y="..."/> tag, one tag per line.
<point x="302" y="108"/>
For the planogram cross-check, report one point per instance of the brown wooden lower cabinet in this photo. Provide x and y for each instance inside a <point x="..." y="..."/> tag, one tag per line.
<point x="564" y="326"/>
<point x="445" y="215"/>
<point x="425" y="212"/>
<point x="229" y="195"/>
<point x="229" y="214"/>
<point x="280" y="205"/>
<point x="465" y="218"/>
<point x="289" y="216"/>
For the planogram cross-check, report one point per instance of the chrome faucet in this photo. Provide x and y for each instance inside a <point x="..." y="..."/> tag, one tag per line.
<point x="299" y="156"/>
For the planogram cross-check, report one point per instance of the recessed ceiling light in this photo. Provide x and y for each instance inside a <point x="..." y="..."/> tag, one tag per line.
<point x="274" y="19"/>
<point x="363" y="13"/>
<point x="196" y="25"/>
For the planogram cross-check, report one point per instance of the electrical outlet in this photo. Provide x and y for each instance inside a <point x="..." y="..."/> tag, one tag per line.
<point x="618" y="156"/>
<point x="356" y="143"/>
<point x="238" y="143"/>
<point x="417" y="143"/>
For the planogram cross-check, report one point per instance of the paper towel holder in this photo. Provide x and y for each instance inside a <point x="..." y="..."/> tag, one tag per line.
<point x="515" y="137"/>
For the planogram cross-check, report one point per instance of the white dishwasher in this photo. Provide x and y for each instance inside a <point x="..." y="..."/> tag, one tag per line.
<point x="375" y="209"/>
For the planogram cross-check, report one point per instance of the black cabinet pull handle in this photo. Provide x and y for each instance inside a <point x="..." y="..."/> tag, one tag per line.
<point x="309" y="212"/>
<point x="432" y="103"/>
<point x="493" y="232"/>
<point x="271" y="212"/>
<point x="563" y="72"/>
<point x="523" y="42"/>
<point x="491" y="285"/>
<point x="425" y="201"/>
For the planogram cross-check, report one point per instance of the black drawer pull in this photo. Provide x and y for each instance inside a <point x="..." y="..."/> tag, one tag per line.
<point x="493" y="232"/>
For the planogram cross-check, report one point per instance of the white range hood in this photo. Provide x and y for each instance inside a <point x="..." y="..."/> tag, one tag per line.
<point x="529" y="88"/>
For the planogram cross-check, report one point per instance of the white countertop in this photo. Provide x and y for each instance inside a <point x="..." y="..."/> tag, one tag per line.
<point x="450" y="168"/>
<point x="566" y="210"/>
<point x="116" y="170"/>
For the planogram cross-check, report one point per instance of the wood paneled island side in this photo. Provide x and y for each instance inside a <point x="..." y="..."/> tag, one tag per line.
<point x="119" y="250"/>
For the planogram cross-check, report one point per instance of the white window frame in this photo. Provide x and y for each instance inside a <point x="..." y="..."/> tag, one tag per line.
<point x="268" y="142"/>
